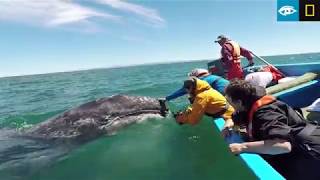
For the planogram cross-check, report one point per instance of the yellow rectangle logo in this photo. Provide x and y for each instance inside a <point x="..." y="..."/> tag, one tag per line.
<point x="309" y="10"/>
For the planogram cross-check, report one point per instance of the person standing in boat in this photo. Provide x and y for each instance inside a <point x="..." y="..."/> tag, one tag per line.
<point x="205" y="101"/>
<point x="230" y="57"/>
<point x="216" y="82"/>
<point x="283" y="137"/>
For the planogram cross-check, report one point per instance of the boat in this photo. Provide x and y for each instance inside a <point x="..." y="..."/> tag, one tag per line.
<point x="298" y="93"/>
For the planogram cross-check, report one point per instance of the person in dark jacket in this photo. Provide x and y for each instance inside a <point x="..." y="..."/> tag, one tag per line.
<point x="283" y="137"/>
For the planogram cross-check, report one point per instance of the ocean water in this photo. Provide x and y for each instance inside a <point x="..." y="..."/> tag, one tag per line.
<point x="153" y="149"/>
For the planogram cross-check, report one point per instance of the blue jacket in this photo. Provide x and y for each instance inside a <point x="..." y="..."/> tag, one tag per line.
<point x="216" y="82"/>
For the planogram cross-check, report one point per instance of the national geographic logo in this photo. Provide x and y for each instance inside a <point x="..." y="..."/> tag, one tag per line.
<point x="309" y="10"/>
<point x="298" y="10"/>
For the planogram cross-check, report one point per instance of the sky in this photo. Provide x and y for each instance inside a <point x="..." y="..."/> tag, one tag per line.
<point x="43" y="36"/>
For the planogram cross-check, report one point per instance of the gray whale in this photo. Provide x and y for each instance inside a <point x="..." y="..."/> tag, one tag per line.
<point x="57" y="136"/>
<point x="103" y="116"/>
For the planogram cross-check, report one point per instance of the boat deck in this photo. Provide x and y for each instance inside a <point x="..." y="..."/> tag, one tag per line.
<point x="311" y="116"/>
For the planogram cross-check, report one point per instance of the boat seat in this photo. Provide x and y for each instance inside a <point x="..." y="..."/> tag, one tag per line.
<point x="311" y="116"/>
<point x="309" y="76"/>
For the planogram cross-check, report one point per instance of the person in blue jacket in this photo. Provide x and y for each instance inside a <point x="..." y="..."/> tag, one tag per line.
<point x="216" y="82"/>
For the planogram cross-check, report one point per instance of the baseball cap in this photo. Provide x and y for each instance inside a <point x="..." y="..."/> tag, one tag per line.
<point x="198" y="72"/>
<point x="220" y="37"/>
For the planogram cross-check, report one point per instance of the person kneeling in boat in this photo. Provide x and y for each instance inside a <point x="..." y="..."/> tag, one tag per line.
<point x="205" y="101"/>
<point x="216" y="82"/>
<point x="283" y="137"/>
<point x="264" y="77"/>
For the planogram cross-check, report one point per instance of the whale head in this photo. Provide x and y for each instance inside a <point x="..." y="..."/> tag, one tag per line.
<point x="102" y="116"/>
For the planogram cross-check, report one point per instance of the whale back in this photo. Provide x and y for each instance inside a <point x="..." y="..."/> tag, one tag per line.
<point x="87" y="121"/>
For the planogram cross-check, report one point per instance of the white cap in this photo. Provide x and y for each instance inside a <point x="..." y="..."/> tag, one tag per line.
<point x="198" y="72"/>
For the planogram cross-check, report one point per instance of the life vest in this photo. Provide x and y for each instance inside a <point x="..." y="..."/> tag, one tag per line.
<point x="259" y="103"/>
<point x="276" y="74"/>
<point x="235" y="51"/>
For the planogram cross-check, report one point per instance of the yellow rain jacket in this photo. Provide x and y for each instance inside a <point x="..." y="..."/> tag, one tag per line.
<point x="207" y="101"/>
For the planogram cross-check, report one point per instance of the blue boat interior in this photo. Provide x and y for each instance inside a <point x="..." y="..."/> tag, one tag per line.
<point x="299" y="69"/>
<point x="304" y="94"/>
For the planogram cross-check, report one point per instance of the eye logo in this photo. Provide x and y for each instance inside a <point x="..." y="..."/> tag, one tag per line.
<point x="287" y="10"/>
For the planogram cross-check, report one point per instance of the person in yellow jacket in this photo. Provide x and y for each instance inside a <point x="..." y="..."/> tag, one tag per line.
<point x="205" y="101"/>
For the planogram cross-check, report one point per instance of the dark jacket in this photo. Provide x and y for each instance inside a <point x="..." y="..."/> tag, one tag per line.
<point x="278" y="120"/>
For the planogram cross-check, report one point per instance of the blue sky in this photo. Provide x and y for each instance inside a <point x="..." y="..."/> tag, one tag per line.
<point x="38" y="36"/>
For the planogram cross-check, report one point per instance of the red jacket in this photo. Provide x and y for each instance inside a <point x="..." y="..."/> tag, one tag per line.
<point x="227" y="55"/>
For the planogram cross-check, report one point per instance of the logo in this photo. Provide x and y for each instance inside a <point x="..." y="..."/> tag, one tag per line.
<point x="298" y="10"/>
<point x="309" y="10"/>
<point x="287" y="10"/>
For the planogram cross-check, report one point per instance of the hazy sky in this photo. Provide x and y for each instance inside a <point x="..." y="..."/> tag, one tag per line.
<point x="39" y="36"/>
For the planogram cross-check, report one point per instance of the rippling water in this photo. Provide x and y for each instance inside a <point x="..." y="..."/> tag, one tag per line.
<point x="154" y="149"/>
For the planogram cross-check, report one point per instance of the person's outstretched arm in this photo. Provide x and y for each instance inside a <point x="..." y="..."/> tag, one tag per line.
<point x="176" y="94"/>
<point x="193" y="114"/>
<point x="246" y="53"/>
<point x="275" y="133"/>
<point x="272" y="147"/>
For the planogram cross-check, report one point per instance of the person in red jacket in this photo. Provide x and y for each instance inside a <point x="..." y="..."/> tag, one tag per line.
<point x="230" y="57"/>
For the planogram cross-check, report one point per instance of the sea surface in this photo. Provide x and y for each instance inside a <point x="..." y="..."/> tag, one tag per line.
<point x="153" y="149"/>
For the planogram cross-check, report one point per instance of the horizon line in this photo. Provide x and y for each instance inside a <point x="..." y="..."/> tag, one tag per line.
<point x="141" y="64"/>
